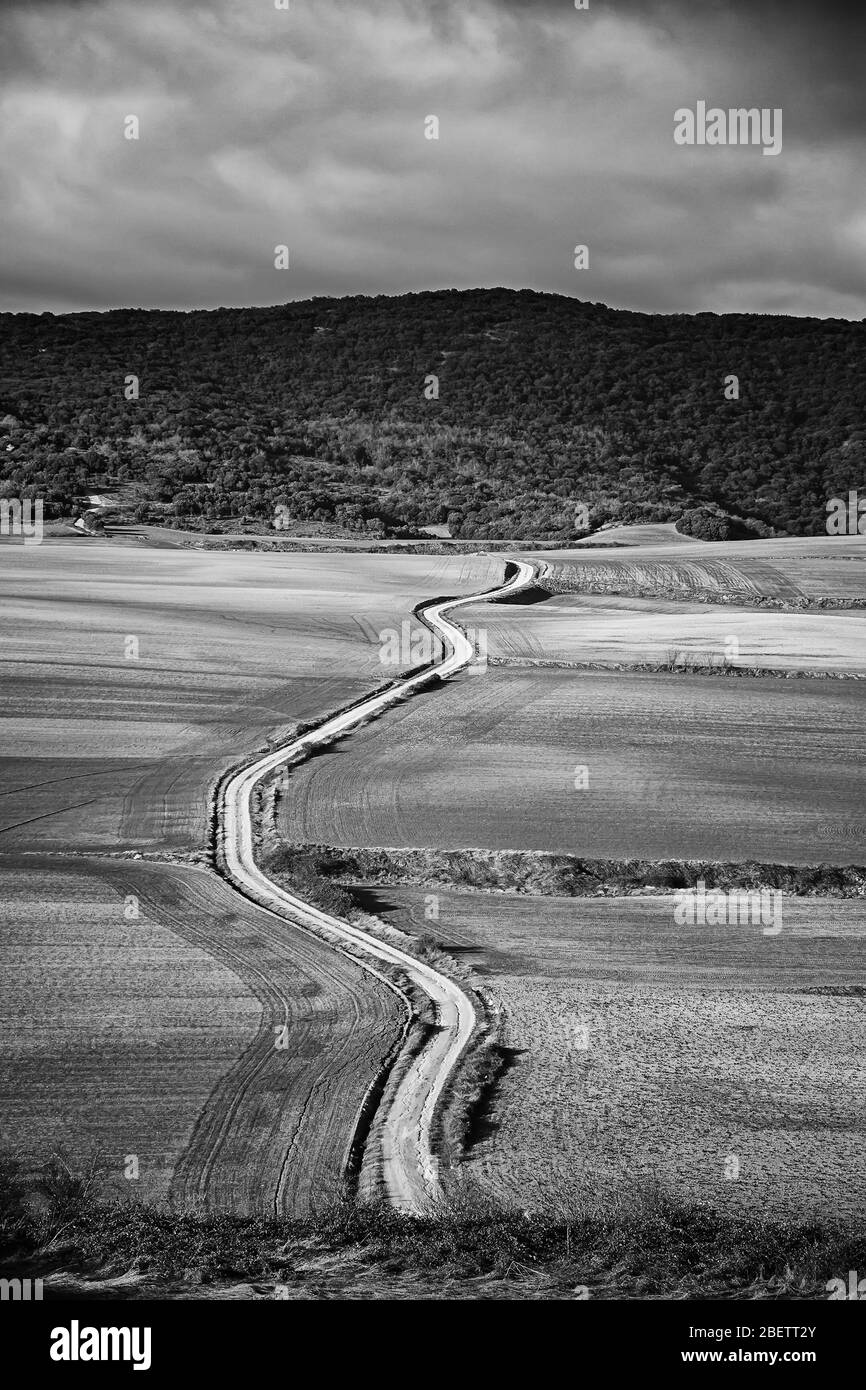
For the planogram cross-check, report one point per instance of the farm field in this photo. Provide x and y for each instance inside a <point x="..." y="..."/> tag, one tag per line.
<point x="155" y="1036"/>
<point x="103" y="754"/>
<point x="789" y="569"/>
<point x="691" y="767"/>
<point x="619" y="630"/>
<point x="100" y="749"/>
<point x="651" y="533"/>
<point x="642" y="1051"/>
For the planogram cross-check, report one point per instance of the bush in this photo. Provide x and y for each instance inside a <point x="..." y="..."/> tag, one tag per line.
<point x="306" y="874"/>
<point x="706" y="525"/>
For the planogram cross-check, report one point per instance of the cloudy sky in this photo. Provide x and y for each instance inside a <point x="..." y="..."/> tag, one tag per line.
<point x="306" y="127"/>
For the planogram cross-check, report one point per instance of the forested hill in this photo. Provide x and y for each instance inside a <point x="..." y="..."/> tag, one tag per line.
<point x="544" y="403"/>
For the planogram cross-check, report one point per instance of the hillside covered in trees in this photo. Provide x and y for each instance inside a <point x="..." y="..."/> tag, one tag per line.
<point x="327" y="408"/>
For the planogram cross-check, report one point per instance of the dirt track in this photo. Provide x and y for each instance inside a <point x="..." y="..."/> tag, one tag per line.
<point x="409" y="1168"/>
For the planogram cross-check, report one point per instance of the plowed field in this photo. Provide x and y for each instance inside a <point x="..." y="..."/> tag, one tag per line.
<point x="611" y="630"/>
<point x="693" y="767"/>
<point x="128" y="680"/>
<point x="722" y="1063"/>
<point x="155" y="1036"/>
<point x="815" y="567"/>
<point x="103" y="744"/>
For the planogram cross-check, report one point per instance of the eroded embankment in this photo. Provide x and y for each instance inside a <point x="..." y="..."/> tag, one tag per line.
<point x="680" y="665"/>
<point x="538" y="873"/>
<point x="307" y="875"/>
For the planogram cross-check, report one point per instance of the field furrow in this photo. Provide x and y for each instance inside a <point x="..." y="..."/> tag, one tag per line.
<point x="690" y="767"/>
<point x="247" y="1120"/>
<point x="717" y="1062"/>
<point x="109" y="744"/>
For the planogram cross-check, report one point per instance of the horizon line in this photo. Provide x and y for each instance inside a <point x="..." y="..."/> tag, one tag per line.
<point x="411" y="294"/>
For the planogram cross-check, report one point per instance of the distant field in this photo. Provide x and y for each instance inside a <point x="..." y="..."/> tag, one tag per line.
<point x="610" y="627"/>
<point x="612" y="630"/>
<point x="685" y="767"/>
<point x="791" y="569"/>
<point x="700" y="1044"/>
<point x="155" y="1036"/>
<point x="658" y="533"/>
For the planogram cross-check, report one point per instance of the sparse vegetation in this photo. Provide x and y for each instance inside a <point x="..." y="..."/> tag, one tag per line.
<point x="682" y="663"/>
<point x="694" y="662"/>
<point x="536" y="872"/>
<point x="645" y="1244"/>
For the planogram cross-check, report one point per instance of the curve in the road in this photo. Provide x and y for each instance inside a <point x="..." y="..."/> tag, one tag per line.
<point x="409" y="1168"/>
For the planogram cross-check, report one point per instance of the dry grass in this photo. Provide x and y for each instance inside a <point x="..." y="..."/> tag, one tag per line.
<point x="540" y="874"/>
<point x="640" y="1244"/>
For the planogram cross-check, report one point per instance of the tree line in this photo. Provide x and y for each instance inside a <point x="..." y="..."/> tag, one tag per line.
<point x="499" y="413"/>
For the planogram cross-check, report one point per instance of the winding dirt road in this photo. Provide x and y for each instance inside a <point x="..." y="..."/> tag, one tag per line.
<point x="409" y="1165"/>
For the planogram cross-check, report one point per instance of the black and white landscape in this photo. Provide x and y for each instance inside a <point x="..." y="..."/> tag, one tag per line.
<point x="433" y="562"/>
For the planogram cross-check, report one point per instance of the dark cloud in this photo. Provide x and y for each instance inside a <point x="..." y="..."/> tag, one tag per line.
<point x="260" y="128"/>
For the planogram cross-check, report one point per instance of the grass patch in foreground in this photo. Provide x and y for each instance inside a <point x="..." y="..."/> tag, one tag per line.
<point x="644" y="1245"/>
